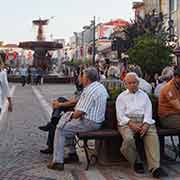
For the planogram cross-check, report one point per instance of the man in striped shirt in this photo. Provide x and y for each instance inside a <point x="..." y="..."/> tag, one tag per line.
<point x="88" y="116"/>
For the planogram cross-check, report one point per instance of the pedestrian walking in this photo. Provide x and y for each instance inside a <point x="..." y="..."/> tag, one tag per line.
<point x="24" y="74"/>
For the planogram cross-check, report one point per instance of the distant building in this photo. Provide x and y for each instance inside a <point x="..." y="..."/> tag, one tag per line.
<point x="167" y="7"/>
<point x="139" y="9"/>
<point x="81" y="43"/>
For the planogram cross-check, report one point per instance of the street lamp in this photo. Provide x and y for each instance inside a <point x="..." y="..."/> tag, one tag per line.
<point x="76" y="42"/>
<point x="93" y="23"/>
<point x="172" y="37"/>
<point x="119" y="42"/>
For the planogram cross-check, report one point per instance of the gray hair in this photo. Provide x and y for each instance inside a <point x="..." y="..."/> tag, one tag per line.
<point x="132" y="74"/>
<point x="92" y="74"/>
<point x="167" y="73"/>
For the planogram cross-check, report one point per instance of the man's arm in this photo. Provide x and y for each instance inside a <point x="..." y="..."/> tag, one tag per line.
<point x="77" y="114"/>
<point x="176" y="104"/>
<point x="172" y="98"/>
<point x="120" y="112"/>
<point x="70" y="103"/>
<point x="10" y="108"/>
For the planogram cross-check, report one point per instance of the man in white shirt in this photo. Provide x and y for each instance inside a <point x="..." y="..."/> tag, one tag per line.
<point x="134" y="115"/>
<point x="145" y="86"/>
<point x="88" y="115"/>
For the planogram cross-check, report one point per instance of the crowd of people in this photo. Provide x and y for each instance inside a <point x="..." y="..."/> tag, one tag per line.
<point x="31" y="75"/>
<point x="85" y="111"/>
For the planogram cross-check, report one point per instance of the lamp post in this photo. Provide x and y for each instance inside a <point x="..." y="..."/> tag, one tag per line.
<point x="170" y="23"/>
<point x="94" y="39"/>
<point x="172" y="37"/>
<point x="76" y="41"/>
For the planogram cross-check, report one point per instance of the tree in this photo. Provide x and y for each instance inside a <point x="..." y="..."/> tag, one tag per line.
<point x="152" y="24"/>
<point x="150" y="53"/>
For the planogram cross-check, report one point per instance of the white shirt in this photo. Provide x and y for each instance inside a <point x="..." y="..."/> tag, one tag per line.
<point x="93" y="102"/>
<point x="145" y="86"/>
<point x="129" y="104"/>
<point x="4" y="87"/>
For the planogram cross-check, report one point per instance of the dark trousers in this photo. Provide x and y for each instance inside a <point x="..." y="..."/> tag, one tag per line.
<point x="23" y="80"/>
<point x="56" y="115"/>
<point x="38" y="80"/>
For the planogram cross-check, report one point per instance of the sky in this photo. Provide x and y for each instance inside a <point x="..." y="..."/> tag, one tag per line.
<point x="69" y="16"/>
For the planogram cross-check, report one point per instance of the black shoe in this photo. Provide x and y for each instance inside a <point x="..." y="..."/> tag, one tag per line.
<point x="56" y="166"/>
<point x="45" y="128"/>
<point x="46" y="151"/>
<point x="138" y="168"/>
<point x="158" y="173"/>
<point x="72" y="158"/>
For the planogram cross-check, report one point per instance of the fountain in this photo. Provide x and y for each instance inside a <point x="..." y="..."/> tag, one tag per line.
<point x="40" y="47"/>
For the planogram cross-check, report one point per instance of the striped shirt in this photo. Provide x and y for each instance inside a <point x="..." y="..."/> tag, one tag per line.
<point x="93" y="102"/>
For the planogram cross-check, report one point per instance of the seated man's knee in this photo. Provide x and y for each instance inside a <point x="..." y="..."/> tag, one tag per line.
<point x="128" y="140"/>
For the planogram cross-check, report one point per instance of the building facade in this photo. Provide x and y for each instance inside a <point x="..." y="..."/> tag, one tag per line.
<point x="169" y="8"/>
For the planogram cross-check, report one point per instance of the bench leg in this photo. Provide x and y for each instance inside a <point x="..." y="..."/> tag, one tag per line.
<point x="86" y="153"/>
<point x="178" y="146"/>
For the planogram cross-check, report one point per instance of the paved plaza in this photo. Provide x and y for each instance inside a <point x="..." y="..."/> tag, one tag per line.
<point x="20" y="142"/>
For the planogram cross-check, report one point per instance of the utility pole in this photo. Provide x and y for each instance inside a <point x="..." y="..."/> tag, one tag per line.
<point x="171" y="23"/>
<point x="94" y="39"/>
<point x="76" y="41"/>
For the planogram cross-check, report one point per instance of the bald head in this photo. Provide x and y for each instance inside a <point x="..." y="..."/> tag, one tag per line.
<point x="132" y="82"/>
<point x="131" y="75"/>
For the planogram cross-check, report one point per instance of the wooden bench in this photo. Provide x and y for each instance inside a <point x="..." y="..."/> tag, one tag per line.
<point x="164" y="132"/>
<point x="101" y="135"/>
<point x="106" y="133"/>
<point x="109" y="131"/>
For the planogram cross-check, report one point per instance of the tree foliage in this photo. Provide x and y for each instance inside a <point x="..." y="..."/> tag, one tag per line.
<point x="150" y="53"/>
<point x="151" y="24"/>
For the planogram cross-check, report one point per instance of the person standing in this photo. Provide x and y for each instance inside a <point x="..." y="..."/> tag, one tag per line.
<point x="4" y="88"/>
<point x="24" y="74"/>
<point x="33" y="75"/>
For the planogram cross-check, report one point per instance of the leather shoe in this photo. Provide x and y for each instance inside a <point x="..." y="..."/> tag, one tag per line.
<point x="46" y="151"/>
<point x="72" y="158"/>
<point x="158" y="173"/>
<point x="44" y="128"/>
<point x="55" y="166"/>
<point x="138" y="168"/>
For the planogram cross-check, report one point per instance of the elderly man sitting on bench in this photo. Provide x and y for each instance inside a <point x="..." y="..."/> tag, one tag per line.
<point x="134" y="115"/>
<point x="88" y="115"/>
<point x="169" y="102"/>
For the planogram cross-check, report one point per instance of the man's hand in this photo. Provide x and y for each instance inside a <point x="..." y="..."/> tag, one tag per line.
<point x="10" y="108"/>
<point x="144" y="129"/>
<point x="56" y="104"/>
<point x="135" y="126"/>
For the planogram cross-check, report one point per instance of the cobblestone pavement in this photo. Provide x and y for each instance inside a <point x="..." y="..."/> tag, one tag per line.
<point x="20" y="142"/>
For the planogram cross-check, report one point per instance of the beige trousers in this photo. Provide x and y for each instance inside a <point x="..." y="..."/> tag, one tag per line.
<point x="151" y="146"/>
